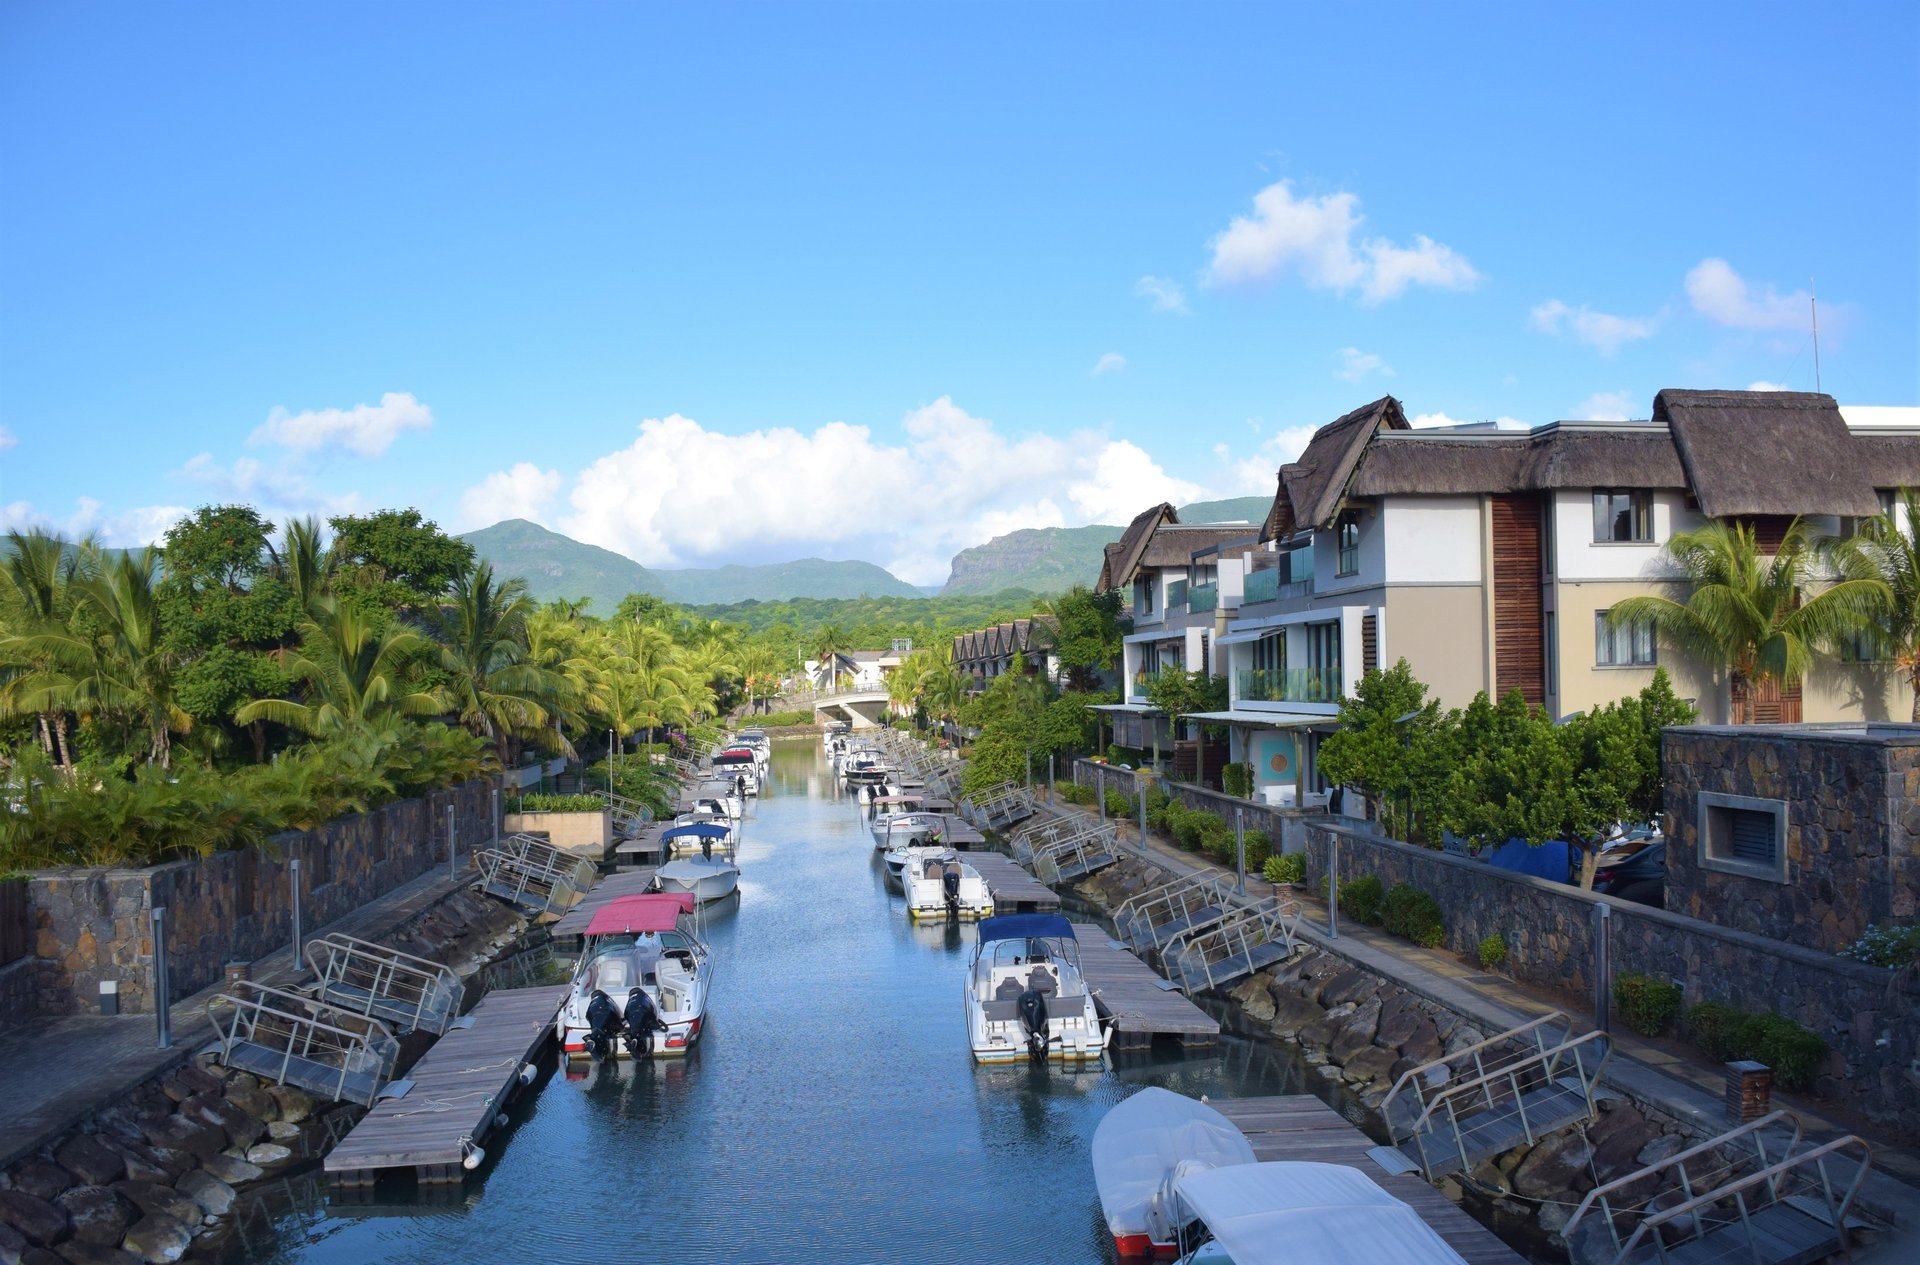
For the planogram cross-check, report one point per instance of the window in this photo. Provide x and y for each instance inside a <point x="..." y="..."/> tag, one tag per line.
<point x="1850" y="526"/>
<point x="1347" y="541"/>
<point x="1145" y="601"/>
<point x="1869" y="645"/>
<point x="1629" y="645"/>
<point x="1270" y="652"/>
<point x="1743" y="835"/>
<point x="1622" y="517"/>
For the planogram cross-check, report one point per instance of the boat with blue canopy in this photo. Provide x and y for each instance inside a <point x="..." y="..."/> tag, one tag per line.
<point x="1026" y="997"/>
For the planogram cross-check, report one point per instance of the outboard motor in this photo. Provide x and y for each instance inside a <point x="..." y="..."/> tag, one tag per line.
<point x="706" y="847"/>
<point x="950" y="881"/>
<point x="642" y="1022"/>
<point x="1033" y="1014"/>
<point x="603" y="1025"/>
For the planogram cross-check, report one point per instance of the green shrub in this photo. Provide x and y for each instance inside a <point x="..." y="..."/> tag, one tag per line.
<point x="1721" y="1031"/>
<point x="1157" y="797"/>
<point x="1119" y="804"/>
<point x="1236" y="780"/>
<point x="1893" y="946"/>
<point x="1794" y="1053"/>
<point x="1288" y="868"/>
<point x="780" y="720"/>
<point x="1492" y="952"/>
<point x="1408" y="911"/>
<point x="1360" y="899"/>
<point x="1647" y="1003"/>
<point x="1259" y="848"/>
<point x="1187" y="827"/>
<point x="538" y="803"/>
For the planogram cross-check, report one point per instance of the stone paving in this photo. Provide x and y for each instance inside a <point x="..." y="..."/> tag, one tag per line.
<point x="55" y="1072"/>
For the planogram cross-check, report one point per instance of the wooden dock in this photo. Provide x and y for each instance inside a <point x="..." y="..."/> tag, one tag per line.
<point x="1014" y="890"/>
<point x="1301" y="1127"/>
<point x="573" y="923"/>
<point x="457" y="1089"/>
<point x="956" y="831"/>
<point x="1138" y="999"/>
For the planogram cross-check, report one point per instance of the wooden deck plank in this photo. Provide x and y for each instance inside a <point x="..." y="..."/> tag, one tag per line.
<point x="625" y="883"/>
<point x="458" y="1086"/>
<point x="1301" y="1127"/>
<point x="1013" y="889"/>
<point x="1130" y="991"/>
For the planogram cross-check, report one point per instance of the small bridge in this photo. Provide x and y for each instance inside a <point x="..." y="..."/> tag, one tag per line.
<point x="861" y="709"/>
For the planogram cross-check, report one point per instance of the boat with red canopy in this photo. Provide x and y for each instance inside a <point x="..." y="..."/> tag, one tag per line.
<point x="640" y="988"/>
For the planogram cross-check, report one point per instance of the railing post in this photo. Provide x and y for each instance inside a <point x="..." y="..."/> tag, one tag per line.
<point x="1100" y="792"/>
<point x="1602" y="921"/>
<point x="162" y="984"/>
<point x="1140" y="784"/>
<point x="1240" y="851"/>
<point x="453" y="847"/>
<point x="299" y="937"/>
<point x="1050" y="777"/>
<point x="1333" y="885"/>
<point x="496" y="816"/>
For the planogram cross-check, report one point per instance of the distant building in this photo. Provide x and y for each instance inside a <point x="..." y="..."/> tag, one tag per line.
<point x="988" y="653"/>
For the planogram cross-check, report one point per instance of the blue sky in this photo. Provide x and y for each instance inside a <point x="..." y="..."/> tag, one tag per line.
<point x="751" y="282"/>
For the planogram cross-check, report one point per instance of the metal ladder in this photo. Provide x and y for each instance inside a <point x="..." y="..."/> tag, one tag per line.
<point x="1247" y="938"/>
<point x="1076" y="856"/>
<point x="1149" y="919"/>
<point x="377" y="982"/>
<point x="296" y="1040"/>
<point x="535" y="880"/>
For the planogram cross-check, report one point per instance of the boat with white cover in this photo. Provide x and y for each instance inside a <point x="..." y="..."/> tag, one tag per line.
<point x="1025" y="996"/>
<point x="642" y="982"/>
<point x="705" y="879"/>
<point x="1142" y="1149"/>
<point x="1295" y="1212"/>
<point x="907" y="830"/>
<point x="699" y="834"/>
<point x="945" y="887"/>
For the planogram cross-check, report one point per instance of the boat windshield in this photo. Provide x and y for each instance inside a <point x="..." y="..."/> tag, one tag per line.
<point x="1024" y="950"/>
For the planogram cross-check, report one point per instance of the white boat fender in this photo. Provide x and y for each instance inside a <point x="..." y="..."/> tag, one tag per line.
<point x="474" y="1157"/>
<point x="527" y="1072"/>
<point x="500" y="1120"/>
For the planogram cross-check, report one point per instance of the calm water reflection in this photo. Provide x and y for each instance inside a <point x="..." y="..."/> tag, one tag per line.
<point x="830" y="1113"/>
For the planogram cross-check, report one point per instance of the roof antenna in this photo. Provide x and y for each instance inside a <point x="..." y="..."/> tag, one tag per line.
<point x="1813" y="298"/>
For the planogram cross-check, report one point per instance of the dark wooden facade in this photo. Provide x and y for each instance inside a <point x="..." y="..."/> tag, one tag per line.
<point x="1519" y="633"/>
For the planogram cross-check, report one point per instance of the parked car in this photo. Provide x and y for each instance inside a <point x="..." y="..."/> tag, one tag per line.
<point x="1635" y="870"/>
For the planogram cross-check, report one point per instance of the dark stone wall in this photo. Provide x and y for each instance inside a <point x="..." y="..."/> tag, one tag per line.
<point x="94" y="925"/>
<point x="1870" y="1017"/>
<point x="1285" y="826"/>
<point x="1853" y="815"/>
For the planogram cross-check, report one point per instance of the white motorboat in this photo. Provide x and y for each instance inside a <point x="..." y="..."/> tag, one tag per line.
<point x="700" y="834"/>
<point x="706" y="880"/>
<point x="740" y="766"/>
<point x="756" y="741"/>
<point x="1025" y="996"/>
<point x="895" y="822"/>
<point x="1300" y="1213"/>
<point x="945" y="887"/>
<point x="719" y="798"/>
<point x="898" y="858"/>
<point x="642" y="982"/>
<point x="1142" y="1149"/>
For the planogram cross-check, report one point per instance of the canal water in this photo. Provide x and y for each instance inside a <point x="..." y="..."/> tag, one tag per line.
<point x="831" y="1111"/>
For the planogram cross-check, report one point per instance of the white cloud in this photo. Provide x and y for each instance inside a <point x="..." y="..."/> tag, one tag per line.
<point x="278" y="491"/>
<point x="144" y="525"/>
<point x="1607" y="406"/>
<point x="1356" y="364"/>
<point x="1315" y="238"/>
<point x="1764" y="385"/>
<point x="524" y="491"/>
<point x="1600" y="330"/>
<point x="1166" y="293"/>
<point x="682" y="495"/>
<point x="1255" y="474"/>
<point x="1112" y="362"/>
<point x="1721" y="295"/>
<point x="367" y="430"/>
<point x="7" y="438"/>
<point x="1427" y="421"/>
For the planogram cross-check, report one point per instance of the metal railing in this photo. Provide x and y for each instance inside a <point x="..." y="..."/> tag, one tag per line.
<point x="629" y="815"/>
<point x="296" y="1040"/>
<point x="1728" y="1189"/>
<point x="1029" y="839"/>
<point x="1172" y="908"/>
<point x="1261" y="586"/>
<point x="1288" y="685"/>
<point x="1489" y="1104"/>
<point x="1202" y="598"/>
<point x="1077" y="855"/>
<point x="1248" y="938"/>
<point x="539" y="880"/>
<point x="1409" y="1096"/>
<point x="581" y="870"/>
<point x="377" y="982"/>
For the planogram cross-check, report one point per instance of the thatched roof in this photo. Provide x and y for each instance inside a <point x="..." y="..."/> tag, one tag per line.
<point x="1639" y="456"/>
<point x="1173" y="544"/>
<point x="1313" y="487"/>
<point x="1766" y="452"/>
<point x="1123" y="556"/>
<point x="1892" y="461"/>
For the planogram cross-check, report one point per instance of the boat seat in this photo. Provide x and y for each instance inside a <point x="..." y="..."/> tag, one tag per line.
<point x="1042" y="981"/>
<point x="1002" y="1011"/>
<point x="1009" y="987"/>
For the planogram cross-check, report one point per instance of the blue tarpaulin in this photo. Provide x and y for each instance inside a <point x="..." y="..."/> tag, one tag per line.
<point x="1552" y="859"/>
<point x="1018" y="926"/>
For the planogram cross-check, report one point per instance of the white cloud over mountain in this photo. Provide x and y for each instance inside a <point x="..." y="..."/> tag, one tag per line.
<point x="367" y="430"/>
<point x="1315" y="239"/>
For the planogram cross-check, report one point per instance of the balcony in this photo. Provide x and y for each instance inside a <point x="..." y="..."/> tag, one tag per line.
<point x="1143" y="679"/>
<point x="1262" y="586"/>
<point x="1288" y="685"/>
<point x="1176" y="597"/>
<point x="1202" y="598"/>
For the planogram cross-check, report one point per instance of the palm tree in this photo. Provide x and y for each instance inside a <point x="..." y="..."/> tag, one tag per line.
<point x="304" y="563"/>
<point x="828" y="645"/>
<point x="353" y="672"/>
<point x="646" y="689"/>
<point x="494" y="689"/>
<point x="36" y="586"/>
<point x="1886" y="549"/>
<point x="1747" y="614"/>
<point x="563" y="647"/>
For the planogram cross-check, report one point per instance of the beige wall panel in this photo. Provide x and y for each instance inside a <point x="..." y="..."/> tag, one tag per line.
<point x="1441" y="631"/>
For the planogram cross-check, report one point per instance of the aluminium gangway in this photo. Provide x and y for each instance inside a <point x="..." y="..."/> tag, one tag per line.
<point x="533" y="875"/>
<point x="405" y="992"/>
<point x="293" y="1039"/>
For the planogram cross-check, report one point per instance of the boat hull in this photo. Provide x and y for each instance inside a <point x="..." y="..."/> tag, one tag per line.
<point x="716" y="885"/>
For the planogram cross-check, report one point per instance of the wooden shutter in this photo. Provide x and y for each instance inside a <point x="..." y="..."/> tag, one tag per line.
<point x="1369" y="643"/>
<point x="1519" y="639"/>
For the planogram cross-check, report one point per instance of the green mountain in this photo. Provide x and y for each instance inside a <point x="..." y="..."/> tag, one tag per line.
<point x="778" y="581"/>
<point x="556" y="566"/>
<point x="1054" y="559"/>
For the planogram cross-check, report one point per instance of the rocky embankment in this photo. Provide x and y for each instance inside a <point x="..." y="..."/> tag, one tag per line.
<point x="1364" y="1032"/>
<point x="154" y="1176"/>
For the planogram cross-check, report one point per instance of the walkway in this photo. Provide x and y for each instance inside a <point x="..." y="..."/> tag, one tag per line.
<point x="56" y="1072"/>
<point x="1686" y="1086"/>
